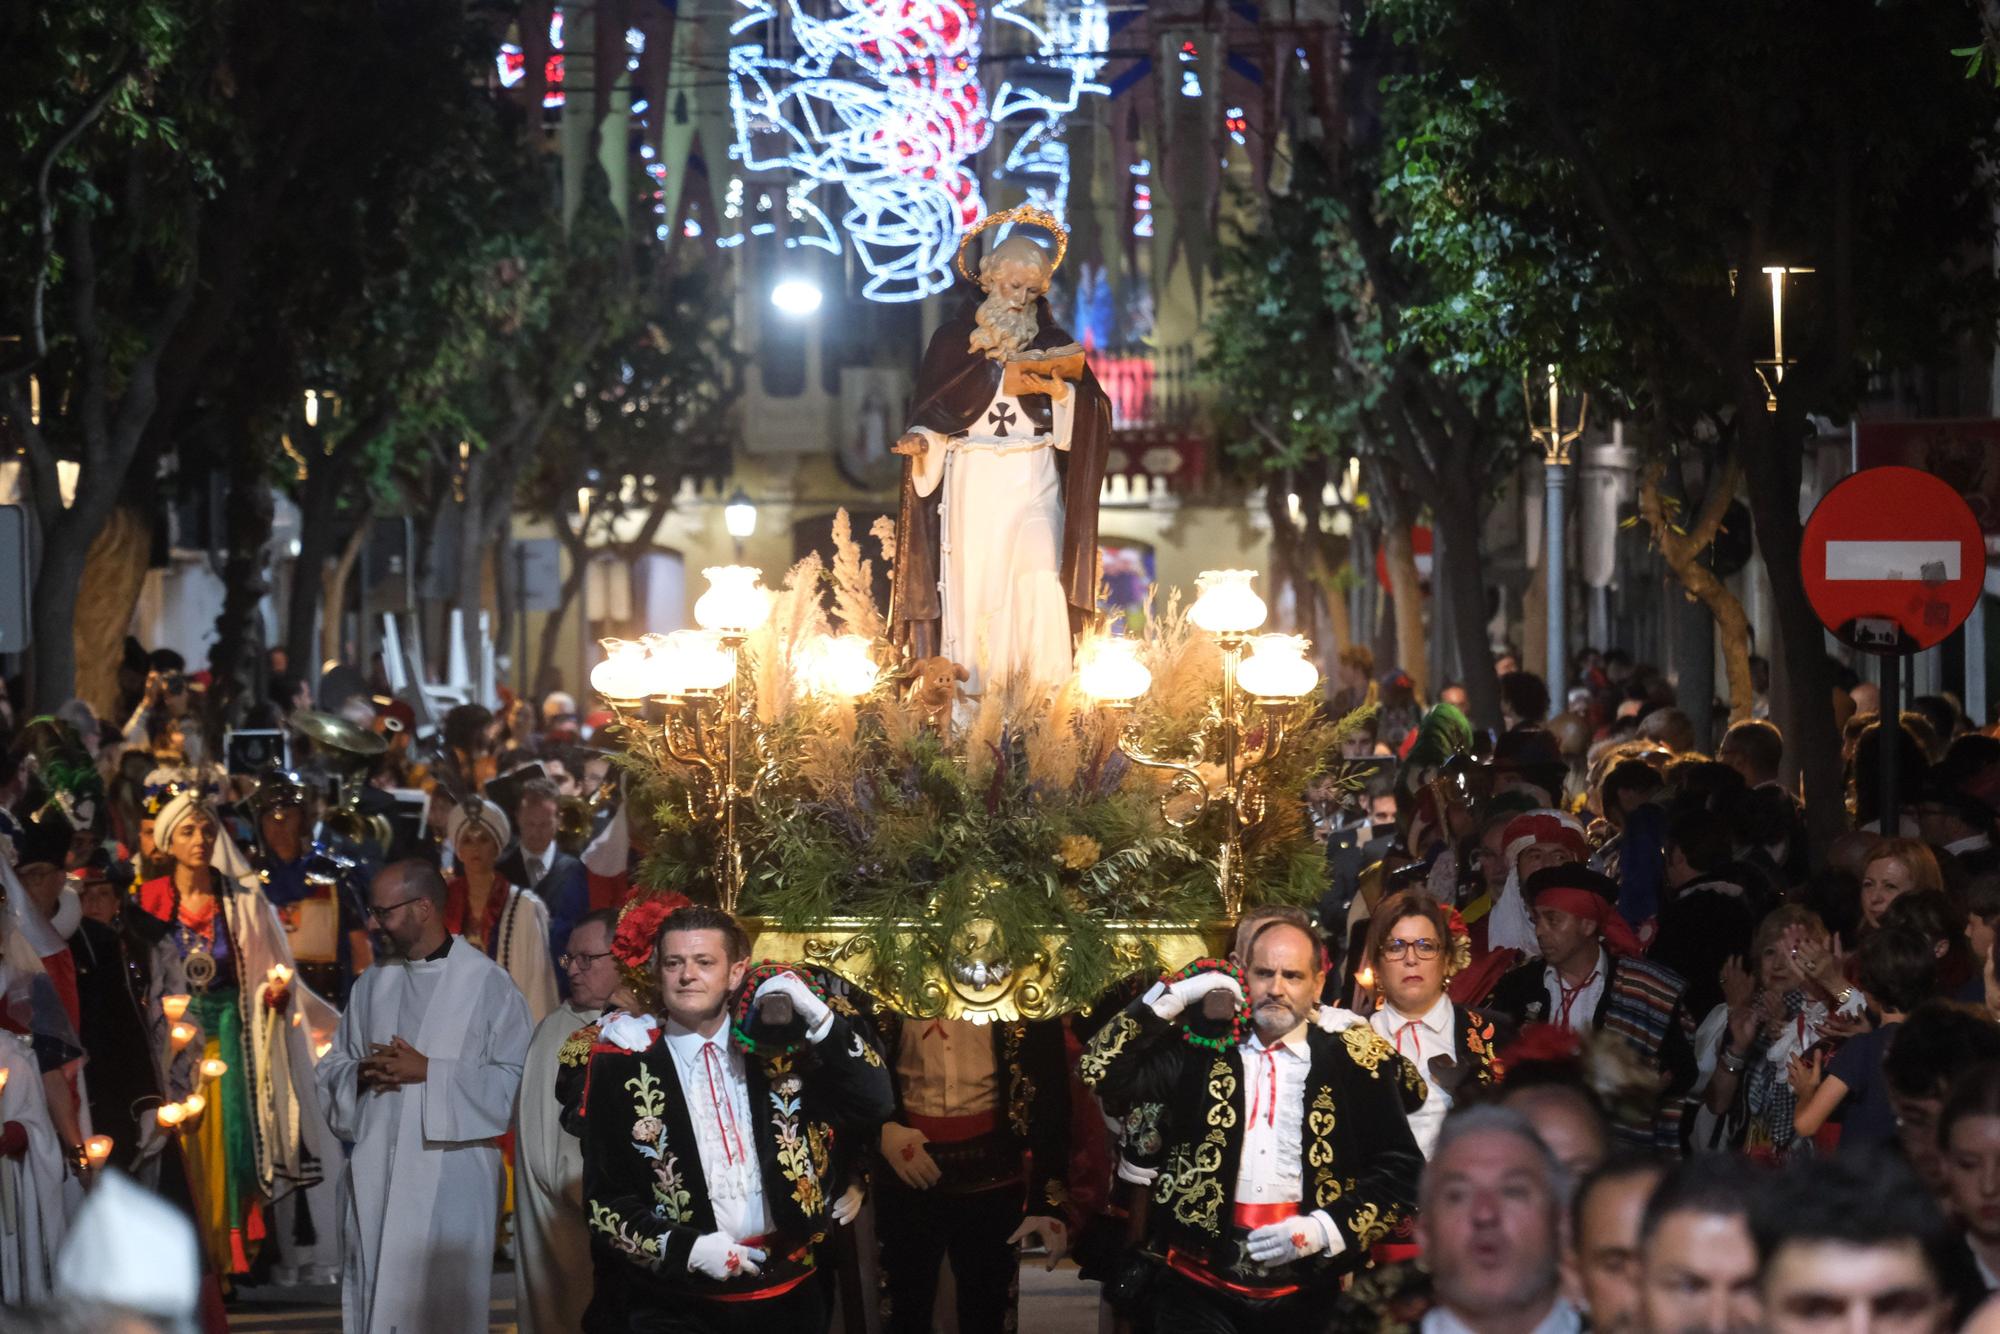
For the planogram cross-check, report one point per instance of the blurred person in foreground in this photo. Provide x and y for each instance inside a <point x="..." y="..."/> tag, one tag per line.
<point x="1605" y="1220"/>
<point x="1698" y="1264"/>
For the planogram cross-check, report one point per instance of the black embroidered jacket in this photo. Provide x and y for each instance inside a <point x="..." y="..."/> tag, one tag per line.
<point x="643" y="1189"/>
<point x="1359" y="1161"/>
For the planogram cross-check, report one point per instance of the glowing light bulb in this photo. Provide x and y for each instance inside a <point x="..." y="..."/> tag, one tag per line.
<point x="1277" y="668"/>
<point x="839" y="665"/>
<point x="1226" y="604"/>
<point x="797" y="297"/>
<point x="1111" y="672"/>
<point x="736" y="601"/>
<point x="622" y="675"/>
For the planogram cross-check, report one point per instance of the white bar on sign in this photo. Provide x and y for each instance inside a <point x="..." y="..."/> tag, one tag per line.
<point x="1916" y="562"/>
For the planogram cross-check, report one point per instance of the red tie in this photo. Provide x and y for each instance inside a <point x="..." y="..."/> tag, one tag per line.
<point x="721" y="1106"/>
<point x="1270" y="1055"/>
<point x="1569" y="995"/>
<point x="1409" y="1029"/>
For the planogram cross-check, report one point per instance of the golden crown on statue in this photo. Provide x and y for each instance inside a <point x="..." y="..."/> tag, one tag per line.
<point x="1027" y="214"/>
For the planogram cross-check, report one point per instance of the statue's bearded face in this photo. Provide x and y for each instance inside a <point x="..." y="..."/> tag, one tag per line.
<point x="1006" y="319"/>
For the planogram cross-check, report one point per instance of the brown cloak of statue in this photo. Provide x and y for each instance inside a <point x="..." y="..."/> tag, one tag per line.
<point x="954" y="386"/>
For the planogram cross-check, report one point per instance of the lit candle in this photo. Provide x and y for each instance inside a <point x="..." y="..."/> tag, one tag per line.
<point x="3" y="1080"/>
<point x="194" y="1105"/>
<point x="1364" y="977"/>
<point x="182" y="1033"/>
<point x="170" y="1114"/>
<point x="279" y="976"/>
<point x="320" y="1051"/>
<point x="214" y="1068"/>
<point x="175" y="1006"/>
<point x="96" y="1150"/>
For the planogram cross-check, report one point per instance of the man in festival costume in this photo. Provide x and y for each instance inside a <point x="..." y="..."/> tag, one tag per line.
<point x="1590" y="978"/>
<point x="1415" y="944"/>
<point x="548" y="1192"/>
<point x="1287" y="1151"/>
<point x="1529" y="842"/>
<point x="421" y="1080"/>
<point x="978" y="1161"/>
<point x="996" y="562"/>
<point x="320" y="895"/>
<point x="708" y="1163"/>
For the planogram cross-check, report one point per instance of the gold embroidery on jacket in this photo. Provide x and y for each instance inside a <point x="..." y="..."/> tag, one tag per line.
<point x="1367" y="1048"/>
<point x="1020" y="1088"/>
<point x="1319" y="1149"/>
<point x="1191" y="1183"/>
<point x="1105" y="1047"/>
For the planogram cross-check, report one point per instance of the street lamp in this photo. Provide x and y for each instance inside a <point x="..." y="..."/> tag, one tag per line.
<point x="1565" y="423"/>
<point x="1771" y="369"/>
<point x="797" y="297"/>
<point x="739" y="517"/>
<point x="1274" y="677"/>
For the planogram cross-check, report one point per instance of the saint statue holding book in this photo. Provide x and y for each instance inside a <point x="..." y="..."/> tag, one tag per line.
<point x="996" y="555"/>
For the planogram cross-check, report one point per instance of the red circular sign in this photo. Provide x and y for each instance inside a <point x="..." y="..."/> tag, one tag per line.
<point x="1893" y="560"/>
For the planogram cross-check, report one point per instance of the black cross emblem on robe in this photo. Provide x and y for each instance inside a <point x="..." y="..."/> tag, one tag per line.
<point x="1002" y="417"/>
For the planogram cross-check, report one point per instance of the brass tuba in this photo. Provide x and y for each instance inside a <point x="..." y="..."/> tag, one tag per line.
<point x="347" y="752"/>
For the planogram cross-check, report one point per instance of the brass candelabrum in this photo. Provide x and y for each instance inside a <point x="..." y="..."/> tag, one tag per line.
<point x="1257" y="692"/>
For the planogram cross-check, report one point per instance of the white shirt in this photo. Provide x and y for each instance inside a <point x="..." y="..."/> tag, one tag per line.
<point x="1581" y="1011"/>
<point x="1420" y="1038"/>
<point x="1970" y="843"/>
<point x="1561" y="1319"/>
<point x="1273" y="1105"/>
<point x="718" y="1103"/>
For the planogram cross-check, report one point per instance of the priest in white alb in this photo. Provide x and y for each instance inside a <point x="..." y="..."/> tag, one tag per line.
<point x="996" y="563"/>
<point x="421" y="1080"/>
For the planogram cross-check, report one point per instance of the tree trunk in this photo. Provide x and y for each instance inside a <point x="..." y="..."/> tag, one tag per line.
<point x="1462" y="576"/>
<point x="333" y="590"/>
<point x="52" y="657"/>
<point x="545" y="655"/>
<point x="247" y="516"/>
<point x="1682" y="552"/>
<point x="1771" y="451"/>
<point x="1405" y="587"/>
<point x="318" y="516"/>
<point x="113" y="573"/>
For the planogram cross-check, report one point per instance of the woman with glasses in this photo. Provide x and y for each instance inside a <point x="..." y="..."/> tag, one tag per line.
<point x="1415" y="944"/>
<point x="509" y="924"/>
<point x="256" y="1133"/>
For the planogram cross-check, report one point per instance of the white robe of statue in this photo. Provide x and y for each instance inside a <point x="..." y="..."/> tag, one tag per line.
<point x="422" y="1190"/>
<point x="554" y="1276"/>
<point x="32" y="1186"/>
<point x="1000" y="528"/>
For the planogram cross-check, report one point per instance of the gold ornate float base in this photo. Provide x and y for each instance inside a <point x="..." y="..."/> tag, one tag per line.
<point x="1029" y="992"/>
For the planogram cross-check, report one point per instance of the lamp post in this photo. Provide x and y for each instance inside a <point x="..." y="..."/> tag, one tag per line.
<point x="739" y="518"/>
<point x="1275" y="676"/>
<point x="1771" y="369"/>
<point x="1555" y="438"/>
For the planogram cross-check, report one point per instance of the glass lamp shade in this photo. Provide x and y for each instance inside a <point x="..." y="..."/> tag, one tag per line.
<point x="1111" y="672"/>
<point x="623" y="673"/>
<point x="839" y="665"/>
<point x="736" y="601"/>
<point x="1225" y="603"/>
<point x="694" y="660"/>
<point x="1277" y="668"/>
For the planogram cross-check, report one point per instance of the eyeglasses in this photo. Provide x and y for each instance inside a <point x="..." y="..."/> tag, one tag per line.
<point x="1423" y="949"/>
<point x="581" y="960"/>
<point x="382" y="914"/>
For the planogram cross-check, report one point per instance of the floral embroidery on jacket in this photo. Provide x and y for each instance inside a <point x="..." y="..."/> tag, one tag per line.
<point x="1105" y="1047"/>
<point x="804" y="1147"/>
<point x="622" y="1236"/>
<point x="650" y="1103"/>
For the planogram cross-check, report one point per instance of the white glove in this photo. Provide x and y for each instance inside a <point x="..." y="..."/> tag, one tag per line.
<point x="1175" y="999"/>
<point x="718" y="1256"/>
<point x="630" y="1032"/>
<point x="811" y="1008"/>
<point x="848" y="1207"/>
<point x="1281" y="1243"/>
<point x="1335" y="1019"/>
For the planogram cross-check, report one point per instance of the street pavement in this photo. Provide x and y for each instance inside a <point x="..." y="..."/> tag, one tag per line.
<point x="1051" y="1303"/>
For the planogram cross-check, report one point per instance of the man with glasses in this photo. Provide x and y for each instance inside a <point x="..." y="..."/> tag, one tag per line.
<point x="1415" y="945"/>
<point x="554" y="1271"/>
<point x="421" y="1080"/>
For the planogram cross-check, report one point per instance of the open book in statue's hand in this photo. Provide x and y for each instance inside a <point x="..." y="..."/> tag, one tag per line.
<point x="1037" y="372"/>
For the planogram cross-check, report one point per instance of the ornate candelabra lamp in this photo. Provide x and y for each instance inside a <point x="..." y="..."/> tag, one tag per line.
<point x="678" y="694"/>
<point x="1256" y="693"/>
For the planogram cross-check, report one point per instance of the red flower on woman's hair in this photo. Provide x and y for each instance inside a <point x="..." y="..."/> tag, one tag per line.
<point x="1455" y="922"/>
<point x="639" y="927"/>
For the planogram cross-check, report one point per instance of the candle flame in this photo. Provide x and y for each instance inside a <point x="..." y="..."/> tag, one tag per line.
<point x="175" y="1006"/>
<point x="214" y="1068"/>
<point x="194" y="1104"/>
<point x="96" y="1149"/>
<point x="170" y="1114"/>
<point x="182" y="1033"/>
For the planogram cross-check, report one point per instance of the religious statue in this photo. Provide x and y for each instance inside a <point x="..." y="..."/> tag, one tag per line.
<point x="996" y="559"/>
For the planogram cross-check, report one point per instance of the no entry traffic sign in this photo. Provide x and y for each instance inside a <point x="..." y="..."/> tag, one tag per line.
<point x="1893" y="560"/>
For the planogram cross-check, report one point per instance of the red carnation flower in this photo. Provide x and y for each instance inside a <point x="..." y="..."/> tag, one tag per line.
<point x="639" y="927"/>
<point x="1543" y="1044"/>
